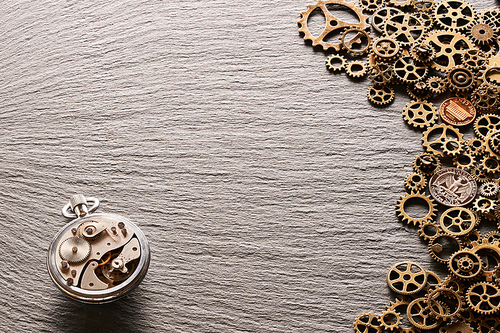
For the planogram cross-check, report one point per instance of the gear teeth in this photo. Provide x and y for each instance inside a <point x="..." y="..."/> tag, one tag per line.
<point x="417" y="221"/>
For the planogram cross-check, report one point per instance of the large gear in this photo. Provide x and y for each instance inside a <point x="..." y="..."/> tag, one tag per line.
<point x="449" y="48"/>
<point x="74" y="249"/>
<point x="457" y="221"/>
<point x="404" y="28"/>
<point x="332" y="24"/>
<point x="454" y="15"/>
<point x="483" y="298"/>
<point x="443" y="133"/>
<point x="421" y="197"/>
<point x="482" y="33"/>
<point x="420" y="114"/>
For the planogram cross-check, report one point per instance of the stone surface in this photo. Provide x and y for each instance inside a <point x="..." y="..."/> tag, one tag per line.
<point x="265" y="184"/>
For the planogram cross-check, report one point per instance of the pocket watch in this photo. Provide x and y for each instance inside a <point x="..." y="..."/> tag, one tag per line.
<point x="97" y="257"/>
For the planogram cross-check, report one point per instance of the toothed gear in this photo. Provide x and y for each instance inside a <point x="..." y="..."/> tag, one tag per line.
<point x="461" y="79"/>
<point x="427" y="19"/>
<point x="74" y="250"/>
<point x="362" y="69"/>
<point x="486" y="124"/>
<point x="403" y="4"/>
<point x="489" y="164"/>
<point x="370" y="6"/>
<point x="427" y="164"/>
<point x="405" y="28"/>
<point x="390" y="320"/>
<point x="485" y="99"/>
<point x="406" y="278"/>
<point x="420" y="114"/>
<point x="439" y="308"/>
<point x="452" y="147"/>
<point x="420" y="315"/>
<point x="335" y="63"/>
<point x="493" y="144"/>
<point x="418" y="91"/>
<point x="435" y="248"/>
<point x="353" y="37"/>
<point x="479" y="174"/>
<point x="367" y="322"/>
<point x="417" y="221"/>
<point x="492" y="18"/>
<point x="437" y="85"/>
<point x="424" y="6"/>
<point x="481" y="33"/>
<point x="380" y="95"/>
<point x="465" y="265"/>
<point x="475" y="146"/>
<point x="386" y="49"/>
<point x="484" y="205"/>
<point x="493" y="236"/>
<point x="332" y="24"/>
<point x="445" y="132"/>
<point x="449" y="48"/>
<point x="415" y="182"/>
<point x="423" y="53"/>
<point x="474" y="59"/>
<point x="483" y="298"/>
<point x="407" y="70"/>
<point x="428" y="230"/>
<point x="464" y="161"/>
<point x="381" y="74"/>
<point x="457" y="221"/>
<point x="454" y="15"/>
<point x="379" y="18"/>
<point x="489" y="189"/>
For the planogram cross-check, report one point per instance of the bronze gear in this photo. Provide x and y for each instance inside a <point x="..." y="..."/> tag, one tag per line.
<point x="437" y="85"/>
<point x="367" y="322"/>
<point x="361" y="39"/>
<point x="386" y="49"/>
<point x="474" y="59"/>
<point x="420" y="114"/>
<point x="464" y="161"/>
<point x="442" y="297"/>
<point x="381" y="74"/>
<point x="356" y="69"/>
<point x="415" y="182"/>
<point x="449" y="48"/>
<point x="407" y="70"/>
<point x="493" y="144"/>
<point x="370" y="6"/>
<point x="450" y="282"/>
<point x="482" y="247"/>
<point x="489" y="164"/>
<point x="485" y="98"/>
<point x="404" y="28"/>
<point x="475" y="146"/>
<point x="488" y="325"/>
<point x="426" y="18"/>
<point x="420" y="316"/>
<point x="486" y="124"/>
<point x="452" y="147"/>
<point x="465" y="265"/>
<point x="426" y="164"/>
<point x="379" y="18"/>
<point x="454" y="15"/>
<point x="433" y="281"/>
<point x="479" y="174"/>
<point x="461" y="79"/>
<point x="428" y="230"/>
<point x="418" y="90"/>
<point x="484" y="205"/>
<point x="332" y="24"/>
<point x="436" y="146"/>
<point x="492" y="237"/>
<point x="335" y="63"/>
<point x="457" y="221"/>
<point x="422" y="52"/>
<point x="380" y="95"/>
<point x="417" y="221"/>
<point x="483" y="298"/>
<point x="482" y="33"/>
<point x="441" y="252"/>
<point x="390" y="320"/>
<point x="489" y="189"/>
<point x="400" y="3"/>
<point x="401" y="306"/>
<point x="406" y="278"/>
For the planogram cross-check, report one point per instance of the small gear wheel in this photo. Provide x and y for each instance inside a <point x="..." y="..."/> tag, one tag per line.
<point x="493" y="236"/>
<point x="423" y="6"/>
<point x="74" y="250"/>
<point x="356" y="41"/>
<point x="482" y="33"/>
<point x="335" y="63"/>
<point x="483" y="298"/>
<point x="489" y="164"/>
<point x="464" y="161"/>
<point x="452" y="147"/>
<point x="475" y="146"/>
<point x="420" y="315"/>
<point x="386" y="49"/>
<point x="367" y="322"/>
<point x="435" y="137"/>
<point x="381" y="74"/>
<point x="485" y="98"/>
<point x="390" y="320"/>
<point x="423" y="52"/>
<point x="442" y="246"/>
<point x="420" y="114"/>
<point x="479" y="174"/>
<point x="427" y="164"/>
<point x="465" y="265"/>
<point x="427" y="201"/>
<point x="489" y="189"/>
<point x="484" y="205"/>
<point x="428" y="230"/>
<point x="380" y="95"/>
<point x="418" y="90"/>
<point x="356" y="69"/>
<point x="406" y="278"/>
<point x="486" y="124"/>
<point x="437" y="85"/>
<point x="407" y="70"/>
<point x="415" y="182"/>
<point x="461" y="79"/>
<point x="454" y="15"/>
<point x="474" y="59"/>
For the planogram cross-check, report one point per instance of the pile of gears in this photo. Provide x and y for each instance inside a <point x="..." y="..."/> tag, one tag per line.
<point x="450" y="51"/>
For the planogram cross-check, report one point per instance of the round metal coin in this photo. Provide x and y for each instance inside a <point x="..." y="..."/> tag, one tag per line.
<point x="457" y="111"/>
<point x="453" y="187"/>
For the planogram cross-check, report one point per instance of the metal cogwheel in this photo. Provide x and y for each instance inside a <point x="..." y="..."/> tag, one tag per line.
<point x="434" y="138"/>
<point x="386" y="49"/>
<point x="492" y="18"/>
<point x="335" y="63"/>
<point x="479" y="174"/>
<point x="452" y="147"/>
<point x="424" y="6"/>
<point x="379" y="18"/>
<point x="449" y="48"/>
<point x="356" y="41"/>
<point x="465" y="265"/>
<point x="464" y="161"/>
<point x="457" y="221"/>
<point x="420" y="114"/>
<point x="370" y="6"/>
<point x="427" y="164"/>
<point x="484" y="205"/>
<point x="390" y="320"/>
<point x="415" y="182"/>
<point x="437" y="85"/>
<point x="356" y="69"/>
<point x="422" y="198"/>
<point x="380" y="95"/>
<point x="486" y="124"/>
<point x="419" y="91"/>
<point x="474" y="59"/>
<point x="381" y="74"/>
<point x="404" y="28"/>
<point x="74" y="249"/>
<point x="332" y="24"/>
<point x="482" y="33"/>
<point x="485" y="98"/>
<point x="407" y="70"/>
<point x="367" y="322"/>
<point x="489" y="189"/>
<point x="492" y="237"/>
<point x="475" y="146"/>
<point x="406" y="278"/>
<point x="422" y="52"/>
<point x="400" y="3"/>
<point x="441" y="299"/>
<point x="420" y="315"/>
<point x="454" y="15"/>
<point x="483" y="298"/>
<point x="428" y="230"/>
<point x="461" y="79"/>
<point x="489" y="164"/>
<point x="442" y="245"/>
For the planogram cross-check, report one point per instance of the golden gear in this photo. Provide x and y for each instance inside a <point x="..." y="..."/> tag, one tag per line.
<point x="474" y="59"/>
<point x="380" y="16"/>
<point x="418" y="91"/>
<point x="404" y="28"/>
<point x="431" y="208"/>
<point x="426" y="164"/>
<point x="400" y="3"/>
<point x="464" y="161"/>
<point x="475" y="146"/>
<point x="493" y="144"/>
<point x="390" y="320"/>
<point x="445" y="132"/>
<point x="457" y="327"/>
<point x="356" y="69"/>
<point x="407" y="70"/>
<point x="474" y="236"/>
<point x="415" y="182"/>
<point x="457" y="221"/>
<point x="489" y="189"/>
<point x="332" y="24"/>
<point x="479" y="174"/>
<point x="461" y="79"/>
<point x="386" y="49"/>
<point x="420" y="315"/>
<point x="486" y="124"/>
<point x="440" y="300"/>
<point x="454" y="284"/>
<point x="74" y="250"/>
<point x="380" y="95"/>
<point x="420" y="114"/>
<point x="381" y="74"/>
<point x="437" y="85"/>
<point x="335" y="63"/>
<point x="367" y="322"/>
<point x="484" y="205"/>
<point x="483" y="298"/>
<point x="483" y="246"/>
<point x="492" y="237"/>
<point x="370" y="6"/>
<point x="439" y="251"/>
<point x="433" y="281"/>
<point x="401" y="306"/>
<point x="489" y="164"/>
<point x="422" y="52"/>
<point x="358" y="44"/>
<point x="452" y="147"/>
<point x="428" y="230"/>
<point x="406" y="278"/>
<point x="425" y="6"/>
<point x="426" y="18"/>
<point x="449" y="48"/>
<point x="482" y="33"/>
<point x="454" y="15"/>
<point x="490" y="75"/>
<point x="465" y="265"/>
<point x="485" y="98"/>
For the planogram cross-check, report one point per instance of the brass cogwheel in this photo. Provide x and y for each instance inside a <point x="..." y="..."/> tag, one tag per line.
<point x="415" y="182"/>
<point x="440" y="299"/>
<point x="420" y="114"/>
<point x="486" y="124"/>
<point x="464" y="161"/>
<point x="407" y="70"/>
<point x="457" y="221"/>
<point x="434" y="138"/>
<point x="461" y="79"/>
<point x="437" y="85"/>
<point x="465" y="265"/>
<point x="489" y="189"/>
<point x="484" y="205"/>
<point x="485" y="98"/>
<point x="381" y="74"/>
<point x="454" y="15"/>
<point x="482" y="33"/>
<point x="449" y="48"/>
<point x="332" y="24"/>
<point x="356" y="69"/>
<point x="386" y="49"/>
<point x="404" y="28"/>
<point x="452" y="147"/>
<point x="422" y="52"/>
<point x="442" y="246"/>
<point x="390" y="320"/>
<point x="356" y="41"/>
<point x="370" y="6"/>
<point x="418" y="91"/>
<point x="428" y="230"/>
<point x="406" y="278"/>
<point x="427" y="164"/>
<point x="479" y="174"/>
<point x="335" y="63"/>
<point x="367" y="322"/>
<point x="474" y="59"/>
<point x="483" y="298"/>
<point x="475" y="146"/>
<point x="401" y="208"/>
<point x="74" y="249"/>
<point x="380" y="95"/>
<point x="490" y="164"/>
<point x="420" y="315"/>
<point x="379" y="18"/>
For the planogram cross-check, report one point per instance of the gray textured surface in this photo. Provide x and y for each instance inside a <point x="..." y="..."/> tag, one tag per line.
<point x="265" y="184"/>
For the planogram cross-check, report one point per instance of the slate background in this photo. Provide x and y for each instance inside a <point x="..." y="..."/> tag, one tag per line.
<point x="265" y="184"/>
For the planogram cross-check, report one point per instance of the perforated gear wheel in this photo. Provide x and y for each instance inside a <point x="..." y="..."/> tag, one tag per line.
<point x="415" y="182"/>
<point x="483" y="298"/>
<point x="386" y="49"/>
<point x="404" y="28"/>
<point x="437" y="85"/>
<point x="452" y="147"/>
<point x="390" y="320"/>
<point x="454" y="15"/>
<point x="407" y="70"/>
<point x="380" y="95"/>
<point x="484" y="205"/>
<point x="335" y="63"/>
<point x="464" y="161"/>
<point x="474" y="59"/>
<point x="400" y="3"/>
<point x="422" y="52"/>
<point x="465" y="265"/>
<point x="424" y="6"/>
<point x="434" y="138"/>
<point x="332" y="24"/>
<point x="356" y="41"/>
<point x="370" y="6"/>
<point x="475" y="146"/>
<point x="379" y="18"/>
<point x="449" y="48"/>
<point x="457" y="221"/>
<point x="420" y="114"/>
<point x="426" y="164"/>
<point x="406" y="278"/>
<point x="485" y="98"/>
<point x="461" y="79"/>
<point x="422" y="198"/>
<point x="492" y="18"/>
<point x="420" y="315"/>
<point x="428" y="230"/>
<point x="381" y="74"/>
<point x="367" y="323"/>
<point x="489" y="189"/>
<point x="481" y="33"/>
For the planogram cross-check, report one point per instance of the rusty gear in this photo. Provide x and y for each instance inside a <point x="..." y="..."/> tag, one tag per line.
<point x="482" y="33"/>
<point x="332" y="24"/>
<point x="420" y="114"/>
<point x="431" y="208"/>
